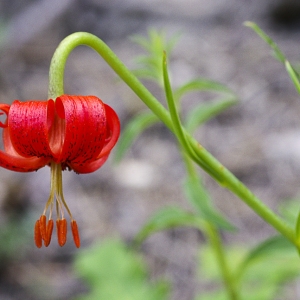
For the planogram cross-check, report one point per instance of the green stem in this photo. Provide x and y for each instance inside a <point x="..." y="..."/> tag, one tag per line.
<point x="230" y="182"/>
<point x="216" y="243"/>
<point x="58" y="62"/>
<point x="202" y="157"/>
<point x="215" y="240"/>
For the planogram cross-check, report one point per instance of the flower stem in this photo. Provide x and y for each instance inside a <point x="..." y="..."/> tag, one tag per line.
<point x="216" y="243"/>
<point x="58" y="62"/>
<point x="230" y="182"/>
<point x="200" y="155"/>
<point x="213" y="235"/>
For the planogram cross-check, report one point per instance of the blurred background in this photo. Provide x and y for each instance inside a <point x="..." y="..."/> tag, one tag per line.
<point x="258" y="140"/>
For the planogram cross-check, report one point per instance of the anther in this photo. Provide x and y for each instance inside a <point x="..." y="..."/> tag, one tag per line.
<point x="75" y="233"/>
<point x="47" y="240"/>
<point x="61" y="226"/>
<point x="43" y="229"/>
<point x="37" y="234"/>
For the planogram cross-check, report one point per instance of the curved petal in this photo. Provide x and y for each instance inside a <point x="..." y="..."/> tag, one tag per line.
<point x="89" y="167"/>
<point x="113" y="131"/>
<point x="11" y="160"/>
<point x="28" y="126"/>
<point x="8" y="147"/>
<point x="21" y="164"/>
<point x="85" y="128"/>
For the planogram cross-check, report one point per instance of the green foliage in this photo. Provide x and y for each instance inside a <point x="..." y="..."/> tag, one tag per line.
<point x="292" y="70"/>
<point x="113" y="272"/>
<point x="289" y="210"/>
<point x="259" y="273"/>
<point x="151" y="68"/>
<point x="167" y="218"/>
<point x="135" y="127"/>
<point x="203" y="112"/>
<point x="276" y="50"/>
<point x="150" y="63"/>
<point x="199" y="197"/>
<point x="269" y="266"/>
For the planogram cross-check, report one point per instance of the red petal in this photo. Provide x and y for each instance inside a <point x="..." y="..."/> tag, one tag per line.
<point x="11" y="160"/>
<point x="28" y="125"/>
<point x="20" y="164"/>
<point x="89" y="167"/>
<point x="85" y="128"/>
<point x="113" y="130"/>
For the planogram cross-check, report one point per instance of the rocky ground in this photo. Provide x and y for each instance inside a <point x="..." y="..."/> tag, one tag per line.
<point x="258" y="140"/>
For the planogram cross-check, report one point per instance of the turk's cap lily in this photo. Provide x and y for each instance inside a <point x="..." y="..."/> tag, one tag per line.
<point x="73" y="132"/>
<point x="77" y="132"/>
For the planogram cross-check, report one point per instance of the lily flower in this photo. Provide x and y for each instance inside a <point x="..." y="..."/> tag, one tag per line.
<point x="73" y="132"/>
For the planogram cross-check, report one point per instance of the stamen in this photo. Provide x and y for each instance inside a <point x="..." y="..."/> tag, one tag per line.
<point x="49" y="233"/>
<point x="61" y="226"/>
<point x="43" y="226"/>
<point x="37" y="234"/>
<point x="43" y="230"/>
<point x="75" y="233"/>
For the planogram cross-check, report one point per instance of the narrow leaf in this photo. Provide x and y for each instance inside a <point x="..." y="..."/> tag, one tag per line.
<point x="277" y="52"/>
<point x="132" y="130"/>
<point x="205" y="111"/>
<point x="166" y="218"/>
<point x="293" y="75"/>
<point x="201" y="84"/>
<point x="265" y="249"/>
<point x="176" y="122"/>
<point x="200" y="199"/>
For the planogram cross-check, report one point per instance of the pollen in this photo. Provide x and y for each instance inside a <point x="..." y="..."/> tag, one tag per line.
<point x="43" y="229"/>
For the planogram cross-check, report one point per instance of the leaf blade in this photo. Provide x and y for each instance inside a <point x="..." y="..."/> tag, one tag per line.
<point x="167" y="218"/>
<point x="205" y="111"/>
<point x="136" y="126"/>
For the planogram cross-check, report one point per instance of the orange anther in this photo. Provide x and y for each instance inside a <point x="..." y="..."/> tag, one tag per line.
<point x="48" y="233"/>
<point x="43" y="229"/>
<point x="37" y="234"/>
<point x="75" y="233"/>
<point x="61" y="226"/>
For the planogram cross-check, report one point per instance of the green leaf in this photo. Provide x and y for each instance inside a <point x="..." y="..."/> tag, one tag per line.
<point x="289" y="210"/>
<point x="201" y="201"/>
<point x="266" y="248"/>
<point x="113" y="271"/>
<point x="155" y="45"/>
<point x="136" y="125"/>
<point x="144" y="74"/>
<point x="201" y="84"/>
<point x="293" y="75"/>
<point x="265" y="276"/>
<point x="167" y="218"/>
<point x="213" y="295"/>
<point x="277" y="52"/>
<point x="258" y="293"/>
<point x="176" y="122"/>
<point x="205" y="111"/>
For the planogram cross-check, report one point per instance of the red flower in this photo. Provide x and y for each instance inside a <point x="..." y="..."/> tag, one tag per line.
<point x="74" y="132"/>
